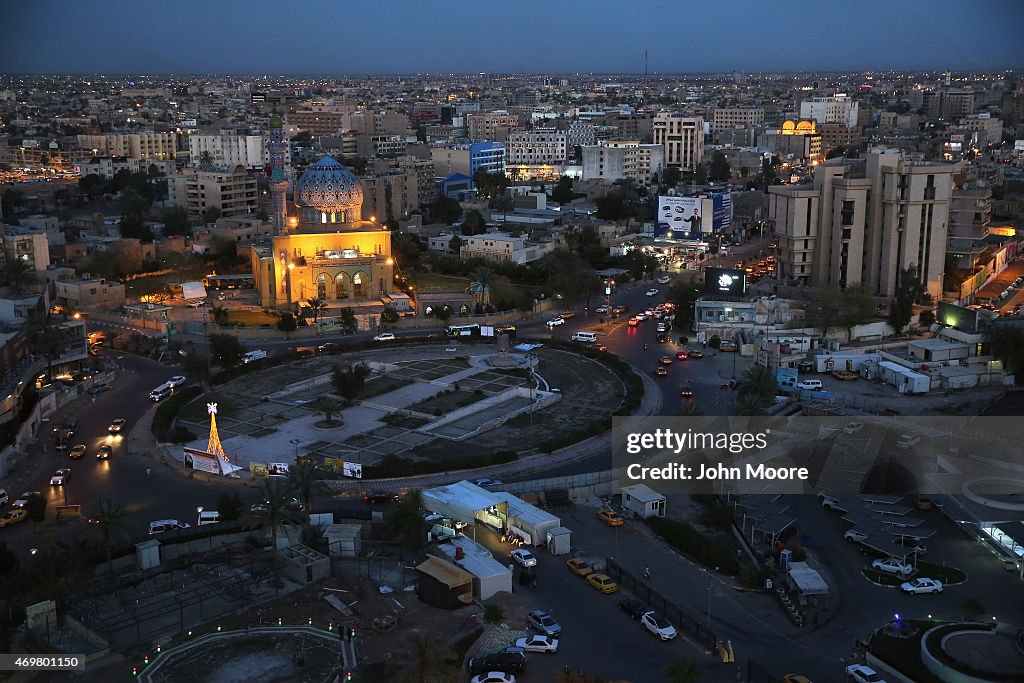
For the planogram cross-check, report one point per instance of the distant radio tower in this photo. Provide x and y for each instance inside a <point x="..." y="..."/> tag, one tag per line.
<point x="645" y="69"/>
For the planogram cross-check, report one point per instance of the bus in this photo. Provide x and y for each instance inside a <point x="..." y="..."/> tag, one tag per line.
<point x="470" y="330"/>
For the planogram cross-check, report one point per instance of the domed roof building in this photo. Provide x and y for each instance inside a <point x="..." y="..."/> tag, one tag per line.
<point x="328" y="192"/>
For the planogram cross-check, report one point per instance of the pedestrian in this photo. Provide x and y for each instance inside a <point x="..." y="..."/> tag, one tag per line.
<point x="647" y="573"/>
<point x="148" y="472"/>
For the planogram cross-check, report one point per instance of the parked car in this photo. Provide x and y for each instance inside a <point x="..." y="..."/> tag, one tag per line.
<point x="161" y="525"/>
<point x="892" y="566"/>
<point x="538" y="643"/>
<point x="13" y="517"/>
<point x="907" y="441"/>
<point x="854" y="536"/>
<point x="385" y="336"/>
<point x="579" y="566"/>
<point x="524" y="557"/>
<point x="658" y="625"/>
<point x="664" y="279"/>
<point x="634" y="608"/>
<point x="379" y="497"/>
<point x="544" y="622"/>
<point x="60" y="477"/>
<point x="922" y="585"/>
<point x="858" y="673"/>
<point x="494" y="677"/>
<point x="77" y="451"/>
<point x="610" y="517"/>
<point x="727" y="346"/>
<point x="852" y="428"/>
<point x="489" y="483"/>
<point x="795" y="678"/>
<point x="117" y="426"/>
<point x="22" y="501"/>
<point x="565" y="315"/>
<point x="508" y="661"/>
<point x="603" y="583"/>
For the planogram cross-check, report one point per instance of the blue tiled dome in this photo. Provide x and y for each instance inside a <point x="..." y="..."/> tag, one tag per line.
<point x="329" y="186"/>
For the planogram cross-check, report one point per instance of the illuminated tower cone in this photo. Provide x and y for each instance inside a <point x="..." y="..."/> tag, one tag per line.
<point x="214" y="446"/>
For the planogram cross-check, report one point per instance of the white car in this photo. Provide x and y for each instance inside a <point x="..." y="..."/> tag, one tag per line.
<point x="524" y="558"/>
<point x="830" y="502"/>
<point x="59" y="477"/>
<point x="853" y="428"/>
<point x="538" y="643"/>
<point x="658" y="625"/>
<point x="555" y="321"/>
<point x="921" y="585"/>
<point x="854" y="536"/>
<point x="176" y="381"/>
<point x="494" y="677"/>
<point x="651" y="292"/>
<point x="385" y="336"/>
<point x="23" y="499"/>
<point x="858" y="673"/>
<point x="602" y="309"/>
<point x="892" y="566"/>
<point x="664" y="279"/>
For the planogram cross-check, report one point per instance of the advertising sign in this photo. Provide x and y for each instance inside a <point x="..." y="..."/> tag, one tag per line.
<point x="65" y="511"/>
<point x="259" y="469"/>
<point x="725" y="281"/>
<point x="202" y="461"/>
<point x="963" y="319"/>
<point x="353" y="469"/>
<point x="722" y="210"/>
<point x="680" y="217"/>
<point x="786" y="377"/>
<point x="334" y="464"/>
<point x="278" y="467"/>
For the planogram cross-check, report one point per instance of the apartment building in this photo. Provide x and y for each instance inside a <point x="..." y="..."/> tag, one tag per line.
<point x="79" y="294"/>
<point x="682" y="138"/>
<point x="233" y="191"/>
<point x="839" y="108"/>
<point x="379" y="145"/>
<point x="865" y="221"/>
<point x="617" y="159"/>
<point x="948" y="103"/>
<point x="321" y="121"/>
<point x="230" y="150"/>
<point x="26" y="244"/>
<point x="736" y="117"/>
<point x="839" y="135"/>
<point x="580" y="133"/>
<point x="502" y="247"/>
<point x="391" y="194"/>
<point x="494" y="125"/>
<point x="146" y="145"/>
<point x="540" y="146"/>
<point x="108" y="167"/>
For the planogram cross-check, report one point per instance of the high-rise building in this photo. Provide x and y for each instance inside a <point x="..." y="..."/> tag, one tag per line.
<point x="948" y="103"/>
<point x="233" y="191"/>
<point x="617" y="159"/>
<point x="494" y="125"/>
<point x="682" y="138"/>
<point x="736" y="117"/>
<point x="865" y="221"/>
<point x="839" y="108"/>
<point x="146" y="145"/>
<point x="486" y="156"/>
<point x="539" y="146"/>
<point x="228" y="150"/>
<point x="391" y="194"/>
<point x="798" y="138"/>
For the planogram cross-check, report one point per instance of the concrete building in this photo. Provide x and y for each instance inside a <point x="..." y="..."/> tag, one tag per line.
<point x="865" y="221"/>
<point x="108" y="167"/>
<point x="379" y="144"/>
<point x="426" y="177"/>
<point x="796" y="139"/>
<point x="81" y="294"/>
<point x="147" y="145"/>
<point x="330" y="253"/>
<point x="840" y="109"/>
<point x="393" y="193"/>
<point x="948" y="103"/>
<point x="539" y="146"/>
<point x="970" y="209"/>
<point x="989" y="128"/>
<point x="28" y="245"/>
<point x="321" y="121"/>
<point x="835" y="135"/>
<point x="736" y="117"/>
<point x="495" y="125"/>
<point x="228" y="150"/>
<point x="617" y="159"/>
<point x="242" y="229"/>
<point x="580" y="133"/>
<point x="233" y="191"/>
<point x="503" y="248"/>
<point x="682" y="138"/>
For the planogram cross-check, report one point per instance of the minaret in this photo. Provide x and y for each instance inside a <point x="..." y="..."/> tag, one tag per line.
<point x="278" y="184"/>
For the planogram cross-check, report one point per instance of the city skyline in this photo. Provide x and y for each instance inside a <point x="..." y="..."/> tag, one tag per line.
<point x="261" y="37"/>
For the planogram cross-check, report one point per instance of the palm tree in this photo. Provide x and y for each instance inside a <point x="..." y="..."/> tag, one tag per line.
<point x="45" y="337"/>
<point x="428" y="656"/>
<point x="17" y="273"/>
<point x="690" y="410"/>
<point x="683" y="671"/>
<point x="329" y="407"/>
<point x="197" y="365"/>
<point x="273" y="509"/>
<point x="316" y="307"/>
<point x="758" y="381"/>
<point x="205" y="159"/>
<point x="304" y="480"/>
<point x="220" y="315"/>
<point x="109" y="515"/>
<point x="138" y="340"/>
<point x="484" y="278"/>
<point x="747" y="405"/>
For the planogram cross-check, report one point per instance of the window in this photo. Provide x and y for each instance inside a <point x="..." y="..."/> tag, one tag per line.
<point x="846" y="215"/>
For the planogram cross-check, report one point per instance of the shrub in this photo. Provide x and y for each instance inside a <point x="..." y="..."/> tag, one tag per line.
<point x="163" y="420"/>
<point x="702" y="548"/>
<point x="715" y="341"/>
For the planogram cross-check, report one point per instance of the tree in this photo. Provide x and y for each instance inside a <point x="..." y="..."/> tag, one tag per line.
<point x="900" y="312"/>
<point x="274" y="508"/>
<point x="700" y="175"/>
<point x="483" y="279"/>
<point x="836" y="152"/>
<point x="854" y="306"/>
<point x="719" y="170"/>
<point x="758" y="381"/>
<point x="109" y="515"/>
<point x="428" y="657"/>
<point x="230" y="507"/>
<point x="926" y="319"/>
<point x="562" y="192"/>
<point x="45" y="337"/>
<point x="1008" y="346"/>
<point x="406" y="523"/>
<point x="446" y="210"/>
<point x="92" y="186"/>
<point x="175" y="220"/>
<point x="684" y="293"/>
<point x="350" y="380"/>
<point x="138" y="341"/>
<point x="489" y="184"/>
<point x="197" y="365"/>
<point x="406" y="249"/>
<point x="473" y="223"/>
<point x="747" y="405"/>
<point x="205" y="159"/>
<point x="316" y="307"/>
<point x="211" y="215"/>
<point x="219" y="314"/>
<point x="455" y="245"/>
<point x="305" y="480"/>
<point x="821" y="312"/>
<point x="690" y="410"/>
<point x="683" y="671"/>
<point x="670" y="176"/>
<point x="329" y="407"/>
<point x="569" y="275"/>
<point x="287" y="324"/>
<point x="444" y="313"/>
<point x="17" y="273"/>
<point x="389" y="315"/>
<point x="348" y="320"/>
<point x="225" y="350"/>
<point x="35" y="508"/>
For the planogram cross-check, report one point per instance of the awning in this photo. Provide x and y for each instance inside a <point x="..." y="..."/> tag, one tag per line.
<point x="444" y="572"/>
<point x="807" y="580"/>
<point x="527" y="538"/>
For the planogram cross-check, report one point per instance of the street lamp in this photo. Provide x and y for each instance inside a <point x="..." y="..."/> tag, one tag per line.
<point x="288" y="283"/>
<point x="709" y="598"/>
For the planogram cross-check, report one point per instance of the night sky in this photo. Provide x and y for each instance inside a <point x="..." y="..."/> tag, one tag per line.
<point x="463" y="36"/>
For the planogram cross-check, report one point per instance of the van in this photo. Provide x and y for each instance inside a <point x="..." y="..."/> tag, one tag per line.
<point x="253" y="356"/>
<point x="908" y="441"/>
<point x="585" y="337"/>
<point x="810" y="385"/>
<point x="160" y="393"/>
<point x="208" y="517"/>
<point x="162" y="525"/>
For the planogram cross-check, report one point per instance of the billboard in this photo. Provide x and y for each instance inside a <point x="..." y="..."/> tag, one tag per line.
<point x="725" y="281"/>
<point x="202" y="461"/>
<point x="963" y="319"/>
<point x="681" y="218"/>
<point x="721" y="211"/>
<point x="259" y="469"/>
<point x="353" y="469"/>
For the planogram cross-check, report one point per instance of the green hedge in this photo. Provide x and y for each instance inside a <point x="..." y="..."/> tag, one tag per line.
<point x="702" y="548"/>
<point x="395" y="466"/>
<point x="163" y="421"/>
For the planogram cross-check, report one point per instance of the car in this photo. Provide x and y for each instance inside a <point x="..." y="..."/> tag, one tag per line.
<point x="686" y="392"/>
<point x="913" y="544"/>
<point x="176" y="381"/>
<point x="694" y="354"/>
<point x="661" y="338"/>
<point x="844" y="375"/>
<point x="664" y="279"/>
<point x="603" y="583"/>
<point x="555" y="322"/>
<point x="524" y="557"/>
<point x="22" y="501"/>
<point x="642" y="316"/>
<point x="117" y="426"/>
<point x="907" y="441"/>
<point x="580" y="566"/>
<point x="830" y="502"/>
<point x="494" y="677"/>
<point x="385" y="336"/>
<point x="13" y="517"/>
<point x="602" y="348"/>
<point x="544" y="622"/>
<point x="619" y="310"/>
<point x="610" y="517"/>
<point x="810" y="385"/>
<point x="77" y="451"/>
<point x="858" y="673"/>
<point x="922" y="585"/>
<point x="103" y="452"/>
<point x="661" y="371"/>
<point x="161" y="525"/>
<point x="379" y="497"/>
<point x="923" y="503"/>
<point x="99" y="388"/>
<point x="795" y="678"/>
<point x="854" y="536"/>
<point x="538" y="643"/>
<point x="603" y="309"/>
<point x="651" y="292"/>
<point x="658" y="625"/>
<point x="509" y="661"/>
<point x="665" y="360"/>
<point x="892" y="566"/>
<point x="662" y="327"/>
<point x="727" y="346"/>
<point x="634" y="321"/>
<point x="634" y="608"/>
<point x="489" y="483"/>
<point x="60" y="477"/>
<point x="294" y="505"/>
<point x="852" y="427"/>
<point x="565" y="315"/>
<point x="682" y="355"/>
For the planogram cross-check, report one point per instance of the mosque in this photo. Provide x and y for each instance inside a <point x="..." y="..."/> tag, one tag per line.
<point x="325" y="251"/>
